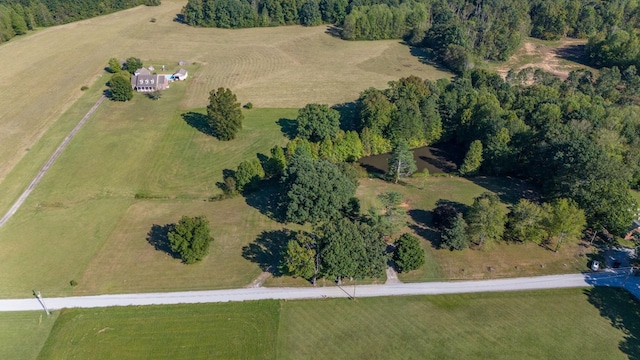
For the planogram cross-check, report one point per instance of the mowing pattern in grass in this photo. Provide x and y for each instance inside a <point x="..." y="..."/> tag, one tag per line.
<point x="523" y="325"/>
<point x="270" y="67"/>
<point x="22" y="334"/>
<point x="212" y="331"/>
<point x="141" y="146"/>
<point x="599" y="323"/>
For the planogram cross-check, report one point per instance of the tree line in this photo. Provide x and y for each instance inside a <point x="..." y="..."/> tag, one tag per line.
<point x="577" y="139"/>
<point x="458" y="32"/>
<point x="19" y="16"/>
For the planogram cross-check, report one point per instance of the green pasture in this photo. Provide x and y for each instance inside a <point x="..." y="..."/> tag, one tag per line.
<point x="84" y="223"/>
<point x="213" y="331"/>
<point x="22" y="334"/>
<point x="599" y="323"/>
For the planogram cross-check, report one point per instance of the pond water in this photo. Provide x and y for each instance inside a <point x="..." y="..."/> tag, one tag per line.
<point x="438" y="160"/>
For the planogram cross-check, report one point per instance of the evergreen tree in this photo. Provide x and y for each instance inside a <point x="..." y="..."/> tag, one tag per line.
<point x="455" y="237"/>
<point x="472" y="160"/>
<point x="224" y="114"/>
<point x="401" y="162"/>
<point x="408" y="254"/>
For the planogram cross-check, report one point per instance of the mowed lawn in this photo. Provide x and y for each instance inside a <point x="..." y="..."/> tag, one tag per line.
<point x="83" y="222"/>
<point x="275" y="67"/>
<point x="599" y="323"/>
<point x="212" y="331"/>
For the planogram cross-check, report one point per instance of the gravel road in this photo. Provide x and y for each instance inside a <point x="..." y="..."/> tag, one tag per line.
<point x="605" y="278"/>
<point x="48" y="164"/>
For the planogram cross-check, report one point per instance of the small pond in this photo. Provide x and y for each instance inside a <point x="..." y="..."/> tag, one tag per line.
<point x="438" y="160"/>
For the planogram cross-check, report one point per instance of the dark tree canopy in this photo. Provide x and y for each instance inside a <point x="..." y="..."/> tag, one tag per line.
<point x="408" y="254"/>
<point x="318" y="122"/>
<point x="455" y="237"/>
<point x="351" y="249"/>
<point x="190" y="238"/>
<point x="120" y="87"/>
<point x="224" y="114"/>
<point x="315" y="191"/>
<point x="443" y="216"/>
<point x="132" y="64"/>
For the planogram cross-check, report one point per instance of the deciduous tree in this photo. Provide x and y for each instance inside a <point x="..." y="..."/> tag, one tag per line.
<point x="300" y="257"/>
<point x="486" y="219"/>
<point x="564" y="220"/>
<point x="190" y="238"/>
<point x="318" y="122"/>
<point x="248" y="175"/>
<point x="314" y="191"/>
<point x="120" y="87"/>
<point x="526" y="222"/>
<point x="351" y="249"/>
<point x="132" y="64"/>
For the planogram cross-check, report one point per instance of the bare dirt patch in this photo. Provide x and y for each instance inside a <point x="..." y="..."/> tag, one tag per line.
<point x="558" y="57"/>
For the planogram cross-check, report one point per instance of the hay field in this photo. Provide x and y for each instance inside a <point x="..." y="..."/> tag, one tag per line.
<point x="271" y="67"/>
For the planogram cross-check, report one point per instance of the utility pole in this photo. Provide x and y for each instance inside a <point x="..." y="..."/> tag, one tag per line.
<point x="39" y="296"/>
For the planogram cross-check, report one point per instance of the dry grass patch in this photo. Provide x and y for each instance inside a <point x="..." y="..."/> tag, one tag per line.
<point x="270" y="67"/>
<point x="129" y="263"/>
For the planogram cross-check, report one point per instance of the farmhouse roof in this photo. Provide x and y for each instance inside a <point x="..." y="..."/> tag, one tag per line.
<point x="142" y="71"/>
<point x="181" y="72"/>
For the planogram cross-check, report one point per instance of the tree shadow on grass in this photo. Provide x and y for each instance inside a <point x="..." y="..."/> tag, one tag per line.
<point x="423" y="226"/>
<point x="623" y="311"/>
<point x="426" y="56"/>
<point x="266" y="201"/>
<point x="575" y="53"/>
<point x="267" y="250"/>
<point x="158" y="236"/>
<point x="288" y="127"/>
<point x="509" y="190"/>
<point x="198" y="121"/>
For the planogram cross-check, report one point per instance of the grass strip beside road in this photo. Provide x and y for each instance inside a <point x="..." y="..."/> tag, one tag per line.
<point x="567" y="323"/>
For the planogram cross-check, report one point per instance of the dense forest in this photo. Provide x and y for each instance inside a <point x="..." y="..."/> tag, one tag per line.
<point x="459" y="32"/>
<point x="19" y="16"/>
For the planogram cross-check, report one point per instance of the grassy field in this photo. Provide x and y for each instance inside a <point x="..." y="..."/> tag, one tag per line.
<point x="567" y="324"/>
<point x="22" y="334"/>
<point x="217" y="331"/>
<point x="84" y="209"/>
<point x="503" y="260"/>
<point x="270" y="67"/>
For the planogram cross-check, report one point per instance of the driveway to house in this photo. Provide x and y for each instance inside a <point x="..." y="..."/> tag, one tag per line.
<point x="617" y="278"/>
<point x="48" y="164"/>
